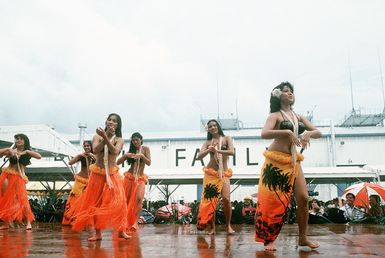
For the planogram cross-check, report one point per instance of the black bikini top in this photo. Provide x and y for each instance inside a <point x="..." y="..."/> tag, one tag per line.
<point x="285" y="124"/>
<point x="84" y="162"/>
<point x="23" y="160"/>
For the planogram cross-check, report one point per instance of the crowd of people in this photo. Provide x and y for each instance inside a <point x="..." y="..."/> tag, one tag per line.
<point x="345" y="211"/>
<point x="52" y="209"/>
<point x="102" y="198"/>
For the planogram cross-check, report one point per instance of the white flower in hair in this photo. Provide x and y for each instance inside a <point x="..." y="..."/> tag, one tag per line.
<point x="276" y="93"/>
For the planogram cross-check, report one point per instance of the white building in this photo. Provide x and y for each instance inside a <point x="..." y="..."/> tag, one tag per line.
<point x="343" y="155"/>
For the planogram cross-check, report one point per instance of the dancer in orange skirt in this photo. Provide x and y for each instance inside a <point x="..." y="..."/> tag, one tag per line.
<point x="216" y="179"/>
<point x="86" y="158"/>
<point x="281" y="173"/>
<point x="134" y="179"/>
<point x="104" y="204"/>
<point x="14" y="204"/>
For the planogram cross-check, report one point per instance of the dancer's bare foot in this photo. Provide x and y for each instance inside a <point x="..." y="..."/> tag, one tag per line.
<point x="134" y="228"/>
<point x="307" y="244"/>
<point x="4" y="227"/>
<point x="95" y="238"/>
<point x="230" y="230"/>
<point x="28" y="227"/>
<point x="211" y="229"/>
<point x="124" y="235"/>
<point x="270" y="247"/>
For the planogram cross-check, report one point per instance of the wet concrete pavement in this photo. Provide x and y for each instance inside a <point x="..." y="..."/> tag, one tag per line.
<point x="53" y="240"/>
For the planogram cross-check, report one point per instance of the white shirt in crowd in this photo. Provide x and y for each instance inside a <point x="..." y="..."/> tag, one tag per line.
<point x="352" y="212"/>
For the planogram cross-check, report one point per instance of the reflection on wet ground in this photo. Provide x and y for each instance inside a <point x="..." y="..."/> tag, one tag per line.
<point x="53" y="240"/>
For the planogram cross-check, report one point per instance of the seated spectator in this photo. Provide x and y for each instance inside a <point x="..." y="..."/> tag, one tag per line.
<point x="375" y="209"/>
<point x="248" y="210"/>
<point x="322" y="205"/>
<point x="316" y="213"/>
<point x="316" y="208"/>
<point x="336" y="201"/>
<point x="330" y="204"/>
<point x="351" y="212"/>
<point x="237" y="217"/>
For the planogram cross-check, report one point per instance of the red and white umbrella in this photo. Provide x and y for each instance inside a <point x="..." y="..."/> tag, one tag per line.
<point x="168" y="210"/>
<point x="362" y="191"/>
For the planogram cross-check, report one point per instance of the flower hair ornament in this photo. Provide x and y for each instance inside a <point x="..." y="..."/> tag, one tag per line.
<point x="276" y="93"/>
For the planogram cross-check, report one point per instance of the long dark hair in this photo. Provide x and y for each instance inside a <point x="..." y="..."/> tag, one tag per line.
<point x="132" y="148"/>
<point x="220" y="131"/>
<point x="83" y="159"/>
<point x="24" y="159"/>
<point x="275" y="103"/>
<point x="118" y="130"/>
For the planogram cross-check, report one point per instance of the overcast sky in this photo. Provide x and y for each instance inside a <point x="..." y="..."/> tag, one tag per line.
<point x="158" y="63"/>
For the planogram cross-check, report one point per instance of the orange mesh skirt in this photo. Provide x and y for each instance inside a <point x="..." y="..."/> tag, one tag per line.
<point x="74" y="200"/>
<point x="212" y="187"/>
<point x="130" y="188"/>
<point x="276" y="184"/>
<point x="102" y="207"/>
<point x="14" y="204"/>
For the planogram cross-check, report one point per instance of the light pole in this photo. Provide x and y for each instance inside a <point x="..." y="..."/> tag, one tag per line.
<point x="82" y="129"/>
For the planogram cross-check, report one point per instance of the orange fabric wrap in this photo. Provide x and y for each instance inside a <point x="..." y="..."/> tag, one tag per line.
<point x="74" y="200"/>
<point x="276" y="184"/>
<point x="212" y="187"/>
<point x="102" y="207"/>
<point x="130" y="188"/>
<point x="14" y="204"/>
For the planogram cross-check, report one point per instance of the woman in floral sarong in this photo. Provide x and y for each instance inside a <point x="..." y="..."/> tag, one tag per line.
<point x="134" y="179"/>
<point x="282" y="173"/>
<point x="216" y="179"/>
<point x="14" y="204"/>
<point x="86" y="159"/>
<point x="104" y="204"/>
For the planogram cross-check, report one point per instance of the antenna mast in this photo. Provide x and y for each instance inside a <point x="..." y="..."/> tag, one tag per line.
<point x="382" y="79"/>
<point x="236" y="109"/>
<point x="351" y="84"/>
<point x="216" y="69"/>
